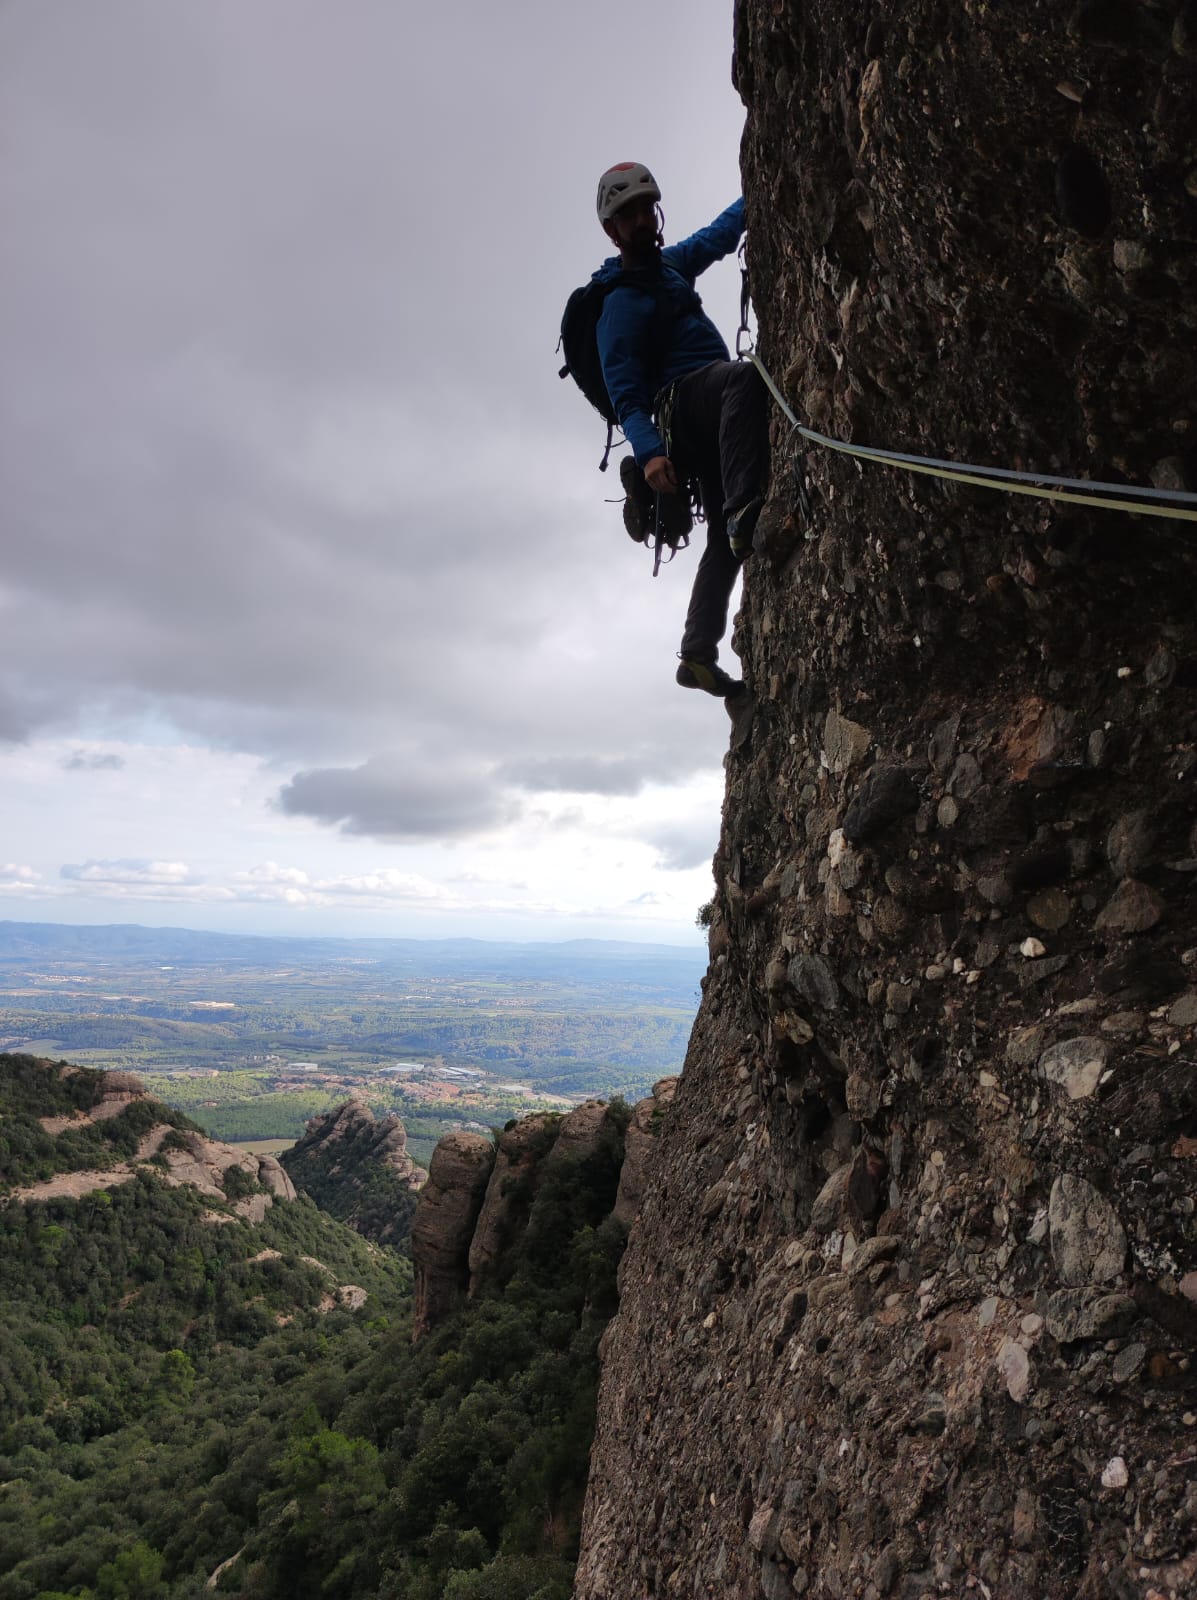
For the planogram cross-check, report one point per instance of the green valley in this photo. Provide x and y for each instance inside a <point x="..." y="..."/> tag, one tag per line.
<point x="214" y="1390"/>
<point x="251" y="1037"/>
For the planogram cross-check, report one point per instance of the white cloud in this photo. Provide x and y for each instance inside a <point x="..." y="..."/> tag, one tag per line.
<point x="385" y="887"/>
<point x="173" y="874"/>
<point x="16" y="878"/>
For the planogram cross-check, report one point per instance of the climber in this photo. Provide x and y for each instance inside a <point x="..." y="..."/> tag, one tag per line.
<point x="688" y="410"/>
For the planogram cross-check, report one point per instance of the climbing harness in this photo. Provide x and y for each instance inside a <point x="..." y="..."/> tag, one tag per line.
<point x="1169" y="503"/>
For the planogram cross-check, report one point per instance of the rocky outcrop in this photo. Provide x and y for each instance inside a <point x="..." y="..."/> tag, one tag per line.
<point x="461" y="1236"/>
<point x="525" y="1150"/>
<point x="579" y="1131"/>
<point x="518" y="1153"/>
<point x="905" y="1310"/>
<point x="186" y="1157"/>
<point x="364" y="1138"/>
<point x="117" y="1091"/>
<point x="640" y="1142"/>
<point x="205" y="1164"/>
<point x="356" y="1167"/>
<point x="273" y="1177"/>
<point x="444" y="1224"/>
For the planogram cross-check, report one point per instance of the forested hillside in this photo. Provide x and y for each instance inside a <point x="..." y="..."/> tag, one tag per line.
<point x="186" y="1394"/>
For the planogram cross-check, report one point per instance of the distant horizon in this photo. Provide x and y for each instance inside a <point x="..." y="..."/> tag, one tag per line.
<point x="349" y="938"/>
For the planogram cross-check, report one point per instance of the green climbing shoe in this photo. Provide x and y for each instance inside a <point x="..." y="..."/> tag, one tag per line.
<point x="709" y="676"/>
<point x="741" y="525"/>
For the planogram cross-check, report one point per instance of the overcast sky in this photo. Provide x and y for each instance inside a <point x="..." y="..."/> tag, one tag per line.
<point x="312" y="615"/>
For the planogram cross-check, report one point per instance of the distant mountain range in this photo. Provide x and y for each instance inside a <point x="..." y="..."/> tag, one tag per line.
<point x="19" y="941"/>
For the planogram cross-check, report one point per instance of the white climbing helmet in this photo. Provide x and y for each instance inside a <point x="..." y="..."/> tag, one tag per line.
<point x="627" y="180"/>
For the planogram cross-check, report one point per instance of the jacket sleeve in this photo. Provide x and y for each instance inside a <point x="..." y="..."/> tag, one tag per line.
<point x="710" y="244"/>
<point x="624" y="334"/>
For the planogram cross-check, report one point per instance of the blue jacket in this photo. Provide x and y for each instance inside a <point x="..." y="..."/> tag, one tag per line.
<point x="642" y="349"/>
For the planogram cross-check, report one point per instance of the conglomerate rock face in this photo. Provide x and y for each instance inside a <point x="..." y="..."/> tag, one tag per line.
<point x="911" y="1307"/>
<point x="640" y="1141"/>
<point x="509" y="1190"/>
<point x="444" y="1225"/>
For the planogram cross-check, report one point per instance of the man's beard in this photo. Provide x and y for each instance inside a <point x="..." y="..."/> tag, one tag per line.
<point x="645" y="250"/>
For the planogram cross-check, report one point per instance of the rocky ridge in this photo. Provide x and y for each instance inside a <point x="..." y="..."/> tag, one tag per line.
<point x="356" y="1167"/>
<point x="480" y="1193"/>
<point x="182" y="1157"/>
<point x="911" y="1308"/>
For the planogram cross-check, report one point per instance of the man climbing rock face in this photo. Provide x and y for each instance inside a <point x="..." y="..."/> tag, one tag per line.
<point x="687" y="409"/>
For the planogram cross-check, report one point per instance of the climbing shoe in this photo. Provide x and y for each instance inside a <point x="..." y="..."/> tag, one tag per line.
<point x="641" y="506"/>
<point x="741" y="525"/>
<point x="709" y="676"/>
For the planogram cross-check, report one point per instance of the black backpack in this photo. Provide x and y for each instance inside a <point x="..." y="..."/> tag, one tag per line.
<point x="579" y="337"/>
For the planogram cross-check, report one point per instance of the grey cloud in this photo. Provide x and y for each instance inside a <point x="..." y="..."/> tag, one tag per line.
<point x="383" y="800"/>
<point x="16" y="722"/>
<point x="614" y="775"/>
<point x="684" y="844"/>
<point x="287" y="464"/>
<point x="93" y="761"/>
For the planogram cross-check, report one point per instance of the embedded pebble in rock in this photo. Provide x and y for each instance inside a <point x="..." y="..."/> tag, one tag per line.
<point x="1128" y="844"/>
<point x="1115" y="1475"/>
<point x="1073" y="1314"/>
<point x="899" y="998"/>
<point x="1123" y="1024"/>
<point x="1160" y="670"/>
<point x="862" y="1095"/>
<point x="995" y="888"/>
<point x="1015" y="1367"/>
<point x="1133" y="908"/>
<point x="1188" y="1286"/>
<point x="1025" y="1045"/>
<point x="1128" y="1362"/>
<point x="1032" y="949"/>
<point x="1088" y="1243"/>
<point x="1130" y="255"/>
<point x="829" y="1202"/>
<point x="966" y="776"/>
<point x="1169" y="473"/>
<point x="1050" y="909"/>
<point x="813" y="980"/>
<point x="886" y="795"/>
<point x="844" y="743"/>
<point x="889" y="918"/>
<point x="1183" y="1012"/>
<point x="869" y="1251"/>
<point x="1075" y="1064"/>
<point x="932" y="1416"/>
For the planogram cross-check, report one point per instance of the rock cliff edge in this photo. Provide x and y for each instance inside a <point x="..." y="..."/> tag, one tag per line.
<point x="910" y="1307"/>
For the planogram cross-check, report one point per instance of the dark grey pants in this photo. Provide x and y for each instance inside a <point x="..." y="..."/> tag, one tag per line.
<point x="720" y="436"/>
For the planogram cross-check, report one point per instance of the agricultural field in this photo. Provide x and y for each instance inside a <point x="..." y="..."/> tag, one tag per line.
<point x="251" y="1037"/>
